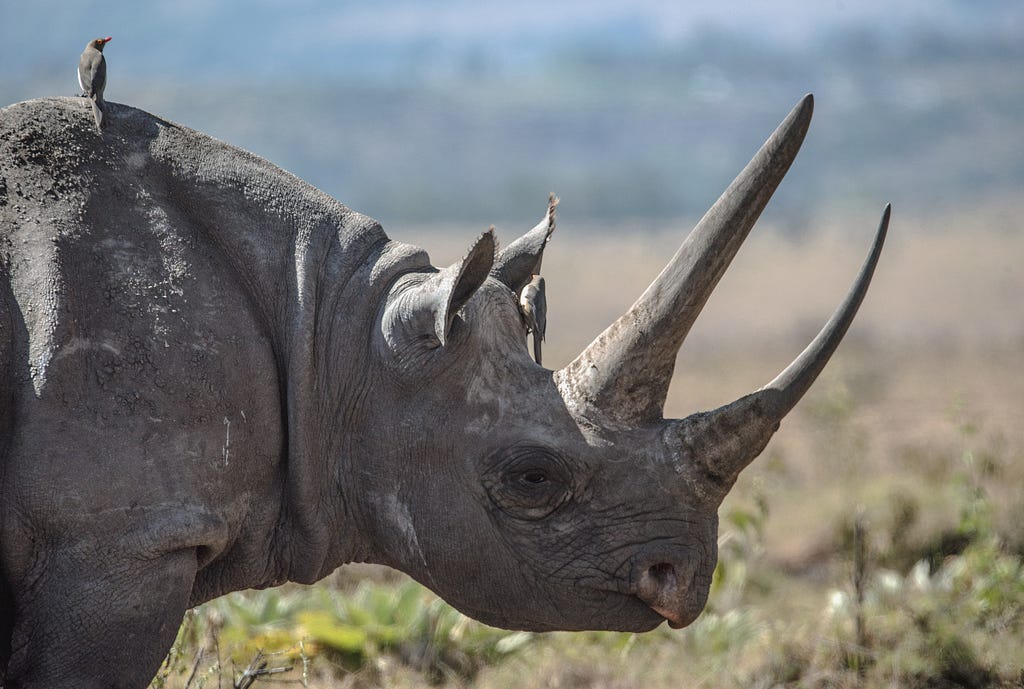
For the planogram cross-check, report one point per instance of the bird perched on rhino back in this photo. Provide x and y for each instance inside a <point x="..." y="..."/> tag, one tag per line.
<point x="92" y="76"/>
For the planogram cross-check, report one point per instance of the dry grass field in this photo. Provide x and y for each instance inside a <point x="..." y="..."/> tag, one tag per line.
<point x="877" y="542"/>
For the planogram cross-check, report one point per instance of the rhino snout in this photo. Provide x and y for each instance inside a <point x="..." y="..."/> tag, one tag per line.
<point x="671" y="589"/>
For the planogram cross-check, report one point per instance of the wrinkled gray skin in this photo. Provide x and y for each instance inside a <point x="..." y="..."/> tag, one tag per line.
<point x="216" y="377"/>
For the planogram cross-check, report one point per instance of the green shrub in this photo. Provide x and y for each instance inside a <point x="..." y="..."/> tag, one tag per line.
<point x="405" y="623"/>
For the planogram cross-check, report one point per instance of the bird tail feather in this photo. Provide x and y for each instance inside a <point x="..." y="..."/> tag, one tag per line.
<point x="97" y="112"/>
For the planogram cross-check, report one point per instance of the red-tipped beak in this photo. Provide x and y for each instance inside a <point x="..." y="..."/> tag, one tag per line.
<point x="107" y="39"/>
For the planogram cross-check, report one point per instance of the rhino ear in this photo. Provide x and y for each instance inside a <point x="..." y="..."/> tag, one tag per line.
<point x="422" y="308"/>
<point x="518" y="262"/>
<point x="459" y="281"/>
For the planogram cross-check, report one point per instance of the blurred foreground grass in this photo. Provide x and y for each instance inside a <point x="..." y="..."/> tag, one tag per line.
<point x="876" y="543"/>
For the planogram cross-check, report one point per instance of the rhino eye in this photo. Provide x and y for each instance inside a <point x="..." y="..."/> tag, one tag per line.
<point x="535" y="477"/>
<point x="529" y="483"/>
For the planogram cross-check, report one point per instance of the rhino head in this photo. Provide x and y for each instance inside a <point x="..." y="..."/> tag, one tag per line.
<point x="542" y="500"/>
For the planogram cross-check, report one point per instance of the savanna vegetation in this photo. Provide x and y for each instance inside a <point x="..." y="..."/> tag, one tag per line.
<point x="876" y="543"/>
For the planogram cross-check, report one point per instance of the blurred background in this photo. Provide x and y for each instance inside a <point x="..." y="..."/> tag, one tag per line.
<point x="438" y="111"/>
<point x="878" y="541"/>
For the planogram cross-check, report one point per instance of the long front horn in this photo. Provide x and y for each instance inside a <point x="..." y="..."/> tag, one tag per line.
<point x="727" y="439"/>
<point x="623" y="375"/>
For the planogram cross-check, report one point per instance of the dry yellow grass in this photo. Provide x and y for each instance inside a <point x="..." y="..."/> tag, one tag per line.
<point x="943" y="284"/>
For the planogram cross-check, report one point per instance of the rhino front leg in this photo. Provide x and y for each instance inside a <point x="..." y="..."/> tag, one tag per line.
<point x="101" y="607"/>
<point x="90" y="622"/>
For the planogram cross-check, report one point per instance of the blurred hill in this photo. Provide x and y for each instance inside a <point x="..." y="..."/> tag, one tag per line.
<point x="472" y="112"/>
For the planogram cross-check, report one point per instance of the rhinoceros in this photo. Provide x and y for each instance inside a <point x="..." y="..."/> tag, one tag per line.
<point x="217" y="377"/>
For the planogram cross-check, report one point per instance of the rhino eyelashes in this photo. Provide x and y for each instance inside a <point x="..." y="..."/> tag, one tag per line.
<point x="528" y="482"/>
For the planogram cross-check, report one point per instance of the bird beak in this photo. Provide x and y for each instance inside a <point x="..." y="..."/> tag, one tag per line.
<point x="107" y="39"/>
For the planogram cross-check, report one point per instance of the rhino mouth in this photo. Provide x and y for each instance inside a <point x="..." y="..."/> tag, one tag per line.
<point x="675" y="597"/>
<point x="674" y="619"/>
<point x="640" y="615"/>
<point x="637" y="611"/>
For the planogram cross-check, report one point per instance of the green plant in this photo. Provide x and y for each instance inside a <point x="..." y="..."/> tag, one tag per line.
<point x="940" y="625"/>
<point x="406" y="623"/>
<point x="740" y="542"/>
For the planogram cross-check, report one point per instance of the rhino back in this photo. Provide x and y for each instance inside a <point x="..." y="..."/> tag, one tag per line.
<point x="164" y="291"/>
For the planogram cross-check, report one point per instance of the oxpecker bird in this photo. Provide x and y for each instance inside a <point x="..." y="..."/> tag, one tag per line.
<point x="92" y="76"/>
<point x="534" y="306"/>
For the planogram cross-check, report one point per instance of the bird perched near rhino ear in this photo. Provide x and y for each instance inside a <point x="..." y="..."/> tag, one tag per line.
<point x="92" y="76"/>
<point x="517" y="266"/>
<point x="534" y="306"/>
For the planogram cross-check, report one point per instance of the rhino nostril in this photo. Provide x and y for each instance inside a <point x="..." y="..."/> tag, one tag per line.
<point x="662" y="574"/>
<point x="662" y="571"/>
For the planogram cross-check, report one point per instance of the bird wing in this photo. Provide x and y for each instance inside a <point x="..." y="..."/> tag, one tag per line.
<point x="540" y="308"/>
<point x="533" y="305"/>
<point x="92" y="73"/>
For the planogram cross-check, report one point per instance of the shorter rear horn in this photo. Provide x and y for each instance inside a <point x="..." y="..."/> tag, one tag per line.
<point x="727" y="439"/>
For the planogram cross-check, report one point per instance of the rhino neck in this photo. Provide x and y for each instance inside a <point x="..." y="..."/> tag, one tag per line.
<point x="314" y="271"/>
<point x="317" y="272"/>
<point x="328" y="374"/>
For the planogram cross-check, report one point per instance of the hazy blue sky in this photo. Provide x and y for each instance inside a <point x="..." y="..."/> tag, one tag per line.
<point x="193" y="38"/>
<point x="424" y="110"/>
